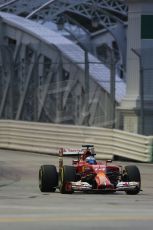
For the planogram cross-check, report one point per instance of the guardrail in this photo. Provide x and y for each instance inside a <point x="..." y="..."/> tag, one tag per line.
<point x="48" y="138"/>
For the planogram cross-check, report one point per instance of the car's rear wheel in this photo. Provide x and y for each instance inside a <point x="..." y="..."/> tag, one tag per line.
<point x="133" y="174"/>
<point x="67" y="174"/>
<point x="48" y="178"/>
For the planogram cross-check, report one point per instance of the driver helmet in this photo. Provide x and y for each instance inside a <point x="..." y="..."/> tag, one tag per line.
<point x="91" y="160"/>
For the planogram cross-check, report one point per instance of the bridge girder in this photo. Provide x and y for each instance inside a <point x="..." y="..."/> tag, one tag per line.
<point x="40" y="83"/>
<point x="88" y="16"/>
<point x="103" y="9"/>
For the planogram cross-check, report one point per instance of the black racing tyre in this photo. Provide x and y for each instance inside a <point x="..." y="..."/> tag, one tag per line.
<point x="67" y="174"/>
<point x="133" y="174"/>
<point x="48" y="178"/>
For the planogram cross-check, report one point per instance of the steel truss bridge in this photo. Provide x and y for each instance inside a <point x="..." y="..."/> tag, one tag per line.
<point x="46" y="77"/>
<point x="84" y="19"/>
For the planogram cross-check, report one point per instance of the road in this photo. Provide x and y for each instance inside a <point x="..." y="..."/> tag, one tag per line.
<point x="23" y="206"/>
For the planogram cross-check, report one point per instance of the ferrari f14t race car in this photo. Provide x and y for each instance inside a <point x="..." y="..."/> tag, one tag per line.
<point x="87" y="175"/>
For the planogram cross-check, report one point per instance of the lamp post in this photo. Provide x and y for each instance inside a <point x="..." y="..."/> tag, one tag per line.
<point x="86" y="84"/>
<point x="112" y="64"/>
<point x="141" y="91"/>
<point x="112" y="86"/>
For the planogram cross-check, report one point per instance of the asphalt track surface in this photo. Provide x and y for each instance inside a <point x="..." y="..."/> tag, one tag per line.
<point x="23" y="206"/>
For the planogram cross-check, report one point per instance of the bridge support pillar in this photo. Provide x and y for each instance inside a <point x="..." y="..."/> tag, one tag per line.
<point x="137" y="106"/>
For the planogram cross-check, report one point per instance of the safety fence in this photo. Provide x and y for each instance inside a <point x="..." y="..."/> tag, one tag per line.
<point x="47" y="138"/>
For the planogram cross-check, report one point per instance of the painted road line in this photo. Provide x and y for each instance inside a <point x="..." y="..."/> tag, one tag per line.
<point x="19" y="219"/>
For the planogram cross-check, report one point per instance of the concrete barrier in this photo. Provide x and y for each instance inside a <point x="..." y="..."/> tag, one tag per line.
<point x="132" y="146"/>
<point x="48" y="138"/>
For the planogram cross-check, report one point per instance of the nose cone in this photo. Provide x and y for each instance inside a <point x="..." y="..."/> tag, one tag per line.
<point x="103" y="182"/>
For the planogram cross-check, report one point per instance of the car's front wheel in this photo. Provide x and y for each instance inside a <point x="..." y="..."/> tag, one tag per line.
<point x="67" y="174"/>
<point x="133" y="174"/>
<point x="48" y="178"/>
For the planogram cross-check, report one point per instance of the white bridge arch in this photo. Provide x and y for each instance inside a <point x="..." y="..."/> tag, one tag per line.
<point x="42" y="77"/>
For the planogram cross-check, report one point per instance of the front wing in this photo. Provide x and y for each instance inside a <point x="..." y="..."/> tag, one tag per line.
<point x="84" y="186"/>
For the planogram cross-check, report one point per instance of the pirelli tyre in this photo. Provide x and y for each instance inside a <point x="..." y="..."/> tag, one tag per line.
<point x="48" y="178"/>
<point x="67" y="174"/>
<point x="133" y="174"/>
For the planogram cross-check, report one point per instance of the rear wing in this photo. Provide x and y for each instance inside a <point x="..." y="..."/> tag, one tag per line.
<point x="70" y="152"/>
<point x="76" y="152"/>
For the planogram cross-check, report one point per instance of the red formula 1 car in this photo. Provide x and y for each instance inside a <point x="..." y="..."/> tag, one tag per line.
<point x="87" y="175"/>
